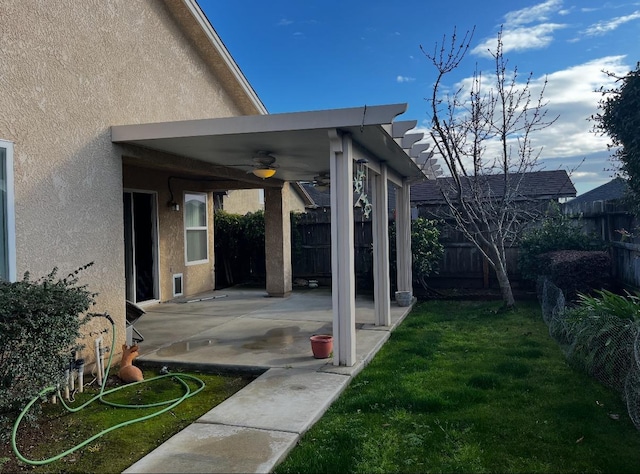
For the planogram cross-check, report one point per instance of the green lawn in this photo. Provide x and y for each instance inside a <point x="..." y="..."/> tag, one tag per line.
<point x="464" y="387"/>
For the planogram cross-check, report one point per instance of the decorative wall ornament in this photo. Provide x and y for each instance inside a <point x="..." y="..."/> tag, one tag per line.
<point x="361" y="187"/>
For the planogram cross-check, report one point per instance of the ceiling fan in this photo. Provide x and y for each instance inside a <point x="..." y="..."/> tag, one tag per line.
<point x="264" y="165"/>
<point x="322" y="182"/>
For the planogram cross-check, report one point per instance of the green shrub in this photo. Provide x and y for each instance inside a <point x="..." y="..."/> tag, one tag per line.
<point x="239" y="246"/>
<point x="621" y="306"/>
<point x="40" y="325"/>
<point x="575" y="271"/>
<point x="556" y="232"/>
<point x="426" y="249"/>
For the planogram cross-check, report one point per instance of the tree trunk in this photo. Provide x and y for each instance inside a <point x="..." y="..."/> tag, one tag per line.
<point x="505" y="285"/>
<point x="498" y="262"/>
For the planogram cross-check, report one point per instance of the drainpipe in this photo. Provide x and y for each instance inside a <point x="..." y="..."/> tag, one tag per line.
<point x="80" y="369"/>
<point x="66" y="384"/>
<point x="98" y="350"/>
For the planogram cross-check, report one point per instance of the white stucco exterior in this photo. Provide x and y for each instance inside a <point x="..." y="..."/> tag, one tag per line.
<point x="70" y="70"/>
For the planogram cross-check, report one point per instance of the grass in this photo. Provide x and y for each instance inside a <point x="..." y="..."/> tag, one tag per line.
<point x="464" y="387"/>
<point x="59" y="430"/>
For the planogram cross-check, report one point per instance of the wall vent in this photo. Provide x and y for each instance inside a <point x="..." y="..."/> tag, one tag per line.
<point x="177" y="285"/>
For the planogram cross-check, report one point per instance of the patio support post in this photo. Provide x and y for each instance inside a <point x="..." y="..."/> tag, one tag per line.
<point x="277" y="235"/>
<point x="403" y="237"/>
<point x="381" y="282"/>
<point x="342" y="251"/>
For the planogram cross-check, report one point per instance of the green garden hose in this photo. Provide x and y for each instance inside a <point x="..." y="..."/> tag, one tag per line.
<point x="170" y="404"/>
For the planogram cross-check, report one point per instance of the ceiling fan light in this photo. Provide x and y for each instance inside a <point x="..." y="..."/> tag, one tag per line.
<point x="264" y="173"/>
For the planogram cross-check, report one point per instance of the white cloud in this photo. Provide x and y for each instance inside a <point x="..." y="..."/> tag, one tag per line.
<point x="603" y="27"/>
<point x="285" y="22"/>
<point x="402" y="79"/>
<point x="520" y="39"/>
<point x="539" y="12"/>
<point x="527" y="28"/>
<point x="570" y="95"/>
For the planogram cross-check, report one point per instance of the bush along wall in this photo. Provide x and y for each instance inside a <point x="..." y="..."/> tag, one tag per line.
<point x="239" y="248"/>
<point x="557" y="231"/>
<point x="40" y="323"/>
<point x="576" y="271"/>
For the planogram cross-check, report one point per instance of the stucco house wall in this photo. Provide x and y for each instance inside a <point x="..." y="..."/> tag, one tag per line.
<point x="243" y="201"/>
<point x="70" y="70"/>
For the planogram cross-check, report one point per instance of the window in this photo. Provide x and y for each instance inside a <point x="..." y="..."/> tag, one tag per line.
<point x="7" y="223"/>
<point x="195" y="227"/>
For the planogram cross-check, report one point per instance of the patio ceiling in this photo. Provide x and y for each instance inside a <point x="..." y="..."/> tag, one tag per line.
<point x="300" y="141"/>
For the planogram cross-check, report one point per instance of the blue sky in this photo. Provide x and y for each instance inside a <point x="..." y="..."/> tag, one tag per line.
<point x="309" y="55"/>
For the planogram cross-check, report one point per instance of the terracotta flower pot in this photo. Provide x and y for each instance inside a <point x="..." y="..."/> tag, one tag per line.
<point x="321" y="346"/>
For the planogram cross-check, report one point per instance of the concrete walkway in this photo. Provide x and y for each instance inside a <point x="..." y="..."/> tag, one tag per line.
<point x="240" y="329"/>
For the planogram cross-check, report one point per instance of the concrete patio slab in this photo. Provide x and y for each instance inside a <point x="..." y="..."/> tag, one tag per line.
<point x="280" y="399"/>
<point x="253" y="430"/>
<point x="212" y="448"/>
<point x="249" y="342"/>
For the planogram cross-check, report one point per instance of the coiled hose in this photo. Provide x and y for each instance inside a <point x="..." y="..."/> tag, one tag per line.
<point x="170" y="405"/>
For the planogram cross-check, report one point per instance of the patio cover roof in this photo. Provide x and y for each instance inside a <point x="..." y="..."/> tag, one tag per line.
<point x="300" y="141"/>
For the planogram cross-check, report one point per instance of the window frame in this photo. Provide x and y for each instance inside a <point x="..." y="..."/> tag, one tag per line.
<point x="198" y="228"/>
<point x="10" y="210"/>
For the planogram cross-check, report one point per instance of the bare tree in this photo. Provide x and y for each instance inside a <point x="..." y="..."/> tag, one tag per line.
<point x="483" y="135"/>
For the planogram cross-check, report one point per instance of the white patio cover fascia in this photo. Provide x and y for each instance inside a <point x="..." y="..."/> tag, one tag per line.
<point x="305" y="145"/>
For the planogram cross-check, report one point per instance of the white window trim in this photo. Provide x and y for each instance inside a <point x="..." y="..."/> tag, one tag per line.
<point x="11" y="220"/>
<point x="205" y="227"/>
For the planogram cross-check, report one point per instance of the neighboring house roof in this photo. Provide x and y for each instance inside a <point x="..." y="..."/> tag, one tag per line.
<point x="322" y="199"/>
<point x="303" y="192"/>
<point x="534" y="185"/>
<point x="614" y="189"/>
<point x="593" y="202"/>
<point x="319" y="199"/>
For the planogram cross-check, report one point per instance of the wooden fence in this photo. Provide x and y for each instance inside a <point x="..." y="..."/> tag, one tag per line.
<point x="311" y="248"/>
<point x="462" y="265"/>
<point x="613" y="223"/>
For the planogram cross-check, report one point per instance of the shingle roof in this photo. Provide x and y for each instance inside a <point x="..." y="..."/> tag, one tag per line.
<point x="536" y="185"/>
<point x="614" y="189"/>
<point x="320" y="198"/>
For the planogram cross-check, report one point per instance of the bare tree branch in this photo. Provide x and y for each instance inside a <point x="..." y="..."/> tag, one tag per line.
<point x="485" y="130"/>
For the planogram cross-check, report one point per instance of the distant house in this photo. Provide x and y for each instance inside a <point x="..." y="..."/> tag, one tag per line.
<point x="604" y="213"/>
<point x="319" y="199"/>
<point x="598" y="199"/>
<point x="538" y="186"/>
<point x="243" y="201"/>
